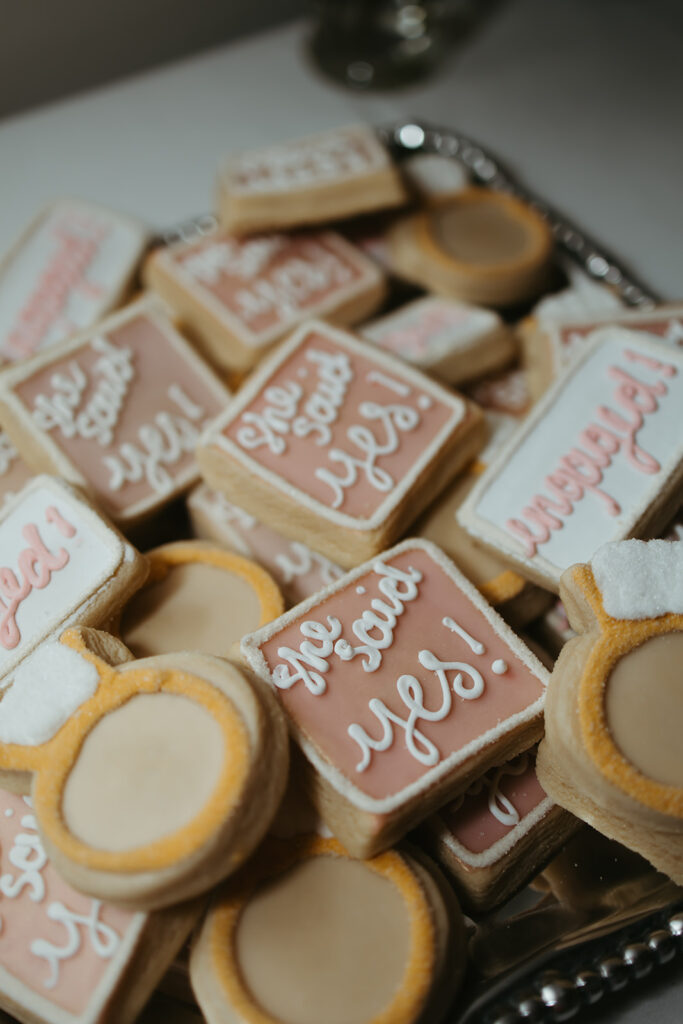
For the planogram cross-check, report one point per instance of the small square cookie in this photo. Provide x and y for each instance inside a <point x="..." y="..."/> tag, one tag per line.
<point x="401" y="685"/>
<point x="117" y="410"/>
<point x="14" y="472"/>
<point x="73" y="264"/>
<point x="237" y="298"/>
<point x="449" y="339"/>
<point x="320" y="178"/>
<point x="337" y="444"/>
<point x="598" y="459"/>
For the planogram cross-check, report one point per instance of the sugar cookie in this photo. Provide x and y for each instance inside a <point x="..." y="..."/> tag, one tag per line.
<point x="14" y="472"/>
<point x="117" y="410"/>
<point x="313" y="180"/>
<point x="615" y="703"/>
<point x="385" y="748"/>
<point x="307" y="933"/>
<point x="337" y="444"/>
<point x="237" y="298"/>
<point x="73" y="264"/>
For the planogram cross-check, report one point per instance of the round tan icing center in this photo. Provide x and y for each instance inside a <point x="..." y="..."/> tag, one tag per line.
<point x="143" y="772"/>
<point x="329" y="940"/>
<point x="480" y="233"/>
<point x="644" y="707"/>
<point x="196" y="607"/>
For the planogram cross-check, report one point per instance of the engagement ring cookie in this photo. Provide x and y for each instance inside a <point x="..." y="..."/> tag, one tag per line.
<point x="66" y="958"/>
<point x="117" y="410"/>
<point x="612" y="753"/>
<point x="401" y="686"/>
<point x="597" y="460"/>
<point x="237" y="298"/>
<point x="152" y="779"/>
<point x="73" y="264"/>
<point x="338" y="445"/>
<point x="308" y="934"/>
<point x="320" y="178"/>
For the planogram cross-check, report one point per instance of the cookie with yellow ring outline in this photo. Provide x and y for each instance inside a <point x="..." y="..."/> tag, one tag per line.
<point x="199" y="597"/>
<point x="614" y="708"/>
<point x="162" y="778"/>
<point x="306" y="933"/>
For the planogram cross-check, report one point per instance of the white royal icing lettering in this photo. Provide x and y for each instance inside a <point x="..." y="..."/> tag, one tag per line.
<point x="8" y="454"/>
<point x="27" y="854"/>
<point x="300" y="560"/>
<point x="104" y="940"/>
<point x="474" y="645"/>
<point x="245" y="259"/>
<point x="309" y="662"/>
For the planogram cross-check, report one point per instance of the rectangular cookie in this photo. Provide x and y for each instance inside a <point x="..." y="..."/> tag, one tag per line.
<point x="337" y="444"/>
<point x="436" y="690"/>
<point x="598" y="459"/>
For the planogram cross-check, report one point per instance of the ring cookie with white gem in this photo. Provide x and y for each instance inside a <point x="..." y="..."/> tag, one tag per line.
<point x="337" y="444"/>
<point x="66" y="958"/>
<point x="198" y="597"/>
<point x="478" y="246"/>
<point x="237" y="297"/>
<point x="152" y="779"/>
<point x="612" y="753"/>
<point x="73" y="264"/>
<point x="494" y="837"/>
<point x="599" y="459"/>
<point x="306" y="933"/>
<point x="451" y="340"/>
<point x="401" y="686"/>
<point x="117" y="410"/>
<point x="317" y="179"/>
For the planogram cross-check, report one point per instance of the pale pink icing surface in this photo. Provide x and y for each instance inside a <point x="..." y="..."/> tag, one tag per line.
<point x="325" y="718"/>
<point x="163" y="448"/>
<point x="271" y="281"/>
<point x="470" y="820"/>
<point x="670" y="328"/>
<point x="395" y="450"/>
<point x="30" y="890"/>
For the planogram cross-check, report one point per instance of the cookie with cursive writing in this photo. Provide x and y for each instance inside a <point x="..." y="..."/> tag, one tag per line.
<point x="612" y="752"/>
<point x="306" y="933"/>
<point x="198" y="597"/>
<point x="73" y="264"/>
<point x="549" y="344"/>
<point x="151" y="780"/>
<point x="66" y="958"/>
<point x="598" y="459"/>
<point x="117" y="410"/>
<point x="337" y="444"/>
<point x="451" y="340"/>
<point x="238" y="297"/>
<point x="314" y="180"/>
<point x="297" y="569"/>
<point x="494" y="837"/>
<point x="401" y="686"/>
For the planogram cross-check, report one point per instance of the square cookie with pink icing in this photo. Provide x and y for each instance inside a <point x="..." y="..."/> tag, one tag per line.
<point x="401" y="686"/>
<point x="599" y="459"/>
<point x="238" y="297"/>
<point x="73" y="264"/>
<point x="66" y="958"/>
<point x="117" y="410"/>
<point x="338" y="445"/>
<point x="323" y="177"/>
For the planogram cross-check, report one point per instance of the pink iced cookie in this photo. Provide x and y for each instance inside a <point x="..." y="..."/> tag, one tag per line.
<point x="401" y="685"/>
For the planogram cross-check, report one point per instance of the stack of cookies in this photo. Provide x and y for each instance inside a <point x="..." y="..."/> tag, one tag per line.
<point x="280" y="604"/>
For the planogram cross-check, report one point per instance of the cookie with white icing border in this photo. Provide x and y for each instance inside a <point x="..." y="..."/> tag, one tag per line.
<point x="600" y="458"/>
<point x="337" y="444"/>
<point x="14" y="472"/>
<point x="117" y="410"/>
<point x="297" y="569"/>
<point x="152" y="779"/>
<point x="73" y="264"/>
<point x="401" y="686"/>
<point x="494" y="837"/>
<point x="306" y="933"/>
<point x="613" y="718"/>
<point x="236" y="298"/>
<point x="66" y="958"/>
<point x="320" y="178"/>
<point x="198" y="597"/>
